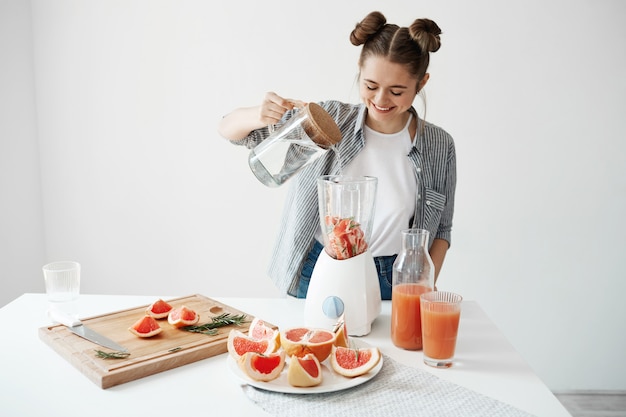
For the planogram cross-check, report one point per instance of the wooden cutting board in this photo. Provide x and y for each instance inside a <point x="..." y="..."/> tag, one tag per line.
<point x="169" y="349"/>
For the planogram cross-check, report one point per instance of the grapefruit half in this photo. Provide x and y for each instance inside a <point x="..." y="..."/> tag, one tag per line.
<point x="299" y="341"/>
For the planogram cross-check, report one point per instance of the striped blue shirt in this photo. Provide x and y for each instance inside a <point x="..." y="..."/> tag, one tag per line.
<point x="434" y="160"/>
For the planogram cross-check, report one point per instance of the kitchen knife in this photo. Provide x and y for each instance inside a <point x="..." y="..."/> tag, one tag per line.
<point x="79" y="329"/>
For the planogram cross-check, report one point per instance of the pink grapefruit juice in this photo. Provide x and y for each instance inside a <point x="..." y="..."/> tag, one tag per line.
<point x="406" y="324"/>
<point x="439" y="329"/>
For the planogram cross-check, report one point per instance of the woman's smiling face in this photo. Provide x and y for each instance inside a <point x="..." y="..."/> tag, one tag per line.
<point x="388" y="91"/>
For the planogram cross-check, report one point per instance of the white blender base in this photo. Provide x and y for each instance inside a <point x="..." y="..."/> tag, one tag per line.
<point x="355" y="282"/>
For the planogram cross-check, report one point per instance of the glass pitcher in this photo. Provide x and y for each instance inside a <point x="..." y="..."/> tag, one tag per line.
<point x="307" y="135"/>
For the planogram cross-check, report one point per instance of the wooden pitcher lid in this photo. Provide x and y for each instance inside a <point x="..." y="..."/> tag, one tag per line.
<point x="321" y="127"/>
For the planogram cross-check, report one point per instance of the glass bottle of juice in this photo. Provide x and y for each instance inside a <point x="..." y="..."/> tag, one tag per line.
<point x="413" y="274"/>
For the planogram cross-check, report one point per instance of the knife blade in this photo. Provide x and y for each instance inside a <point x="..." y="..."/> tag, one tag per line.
<point x="78" y="328"/>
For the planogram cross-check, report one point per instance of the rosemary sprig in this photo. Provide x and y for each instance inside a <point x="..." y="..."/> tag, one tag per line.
<point x="210" y="328"/>
<point x="111" y="355"/>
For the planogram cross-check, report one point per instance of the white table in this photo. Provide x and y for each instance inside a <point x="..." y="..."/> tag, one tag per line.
<point x="36" y="381"/>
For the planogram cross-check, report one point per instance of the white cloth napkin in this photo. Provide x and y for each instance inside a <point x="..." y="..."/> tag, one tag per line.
<point x="396" y="391"/>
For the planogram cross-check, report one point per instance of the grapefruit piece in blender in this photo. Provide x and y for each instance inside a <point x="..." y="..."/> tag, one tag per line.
<point x="146" y="326"/>
<point x="183" y="316"/>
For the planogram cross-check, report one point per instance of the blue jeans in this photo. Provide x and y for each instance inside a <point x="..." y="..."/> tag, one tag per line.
<point x="384" y="267"/>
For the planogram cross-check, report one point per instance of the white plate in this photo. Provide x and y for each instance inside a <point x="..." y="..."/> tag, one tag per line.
<point x="331" y="381"/>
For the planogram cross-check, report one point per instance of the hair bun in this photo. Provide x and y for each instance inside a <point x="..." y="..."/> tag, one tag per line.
<point x="369" y="26"/>
<point x="426" y="33"/>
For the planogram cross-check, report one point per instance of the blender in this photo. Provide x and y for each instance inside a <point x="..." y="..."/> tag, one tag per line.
<point x="345" y="274"/>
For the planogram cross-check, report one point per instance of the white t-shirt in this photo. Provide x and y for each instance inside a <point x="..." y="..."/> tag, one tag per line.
<point x="385" y="157"/>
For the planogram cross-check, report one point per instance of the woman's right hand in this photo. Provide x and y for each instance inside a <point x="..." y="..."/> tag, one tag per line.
<point x="240" y="122"/>
<point x="274" y="107"/>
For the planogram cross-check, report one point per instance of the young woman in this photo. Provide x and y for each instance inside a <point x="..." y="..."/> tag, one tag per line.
<point x="414" y="161"/>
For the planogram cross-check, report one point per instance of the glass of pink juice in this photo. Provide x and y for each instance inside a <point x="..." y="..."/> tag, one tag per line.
<point x="441" y="312"/>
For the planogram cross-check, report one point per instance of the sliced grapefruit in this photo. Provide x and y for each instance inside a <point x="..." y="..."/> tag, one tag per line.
<point x="146" y="326"/>
<point x="159" y="309"/>
<point x="183" y="316"/>
<point x="262" y="367"/>
<point x="239" y="344"/>
<point x="305" y="371"/>
<point x="260" y="330"/>
<point x="354" y="362"/>
<point x="299" y="341"/>
<point x="341" y="335"/>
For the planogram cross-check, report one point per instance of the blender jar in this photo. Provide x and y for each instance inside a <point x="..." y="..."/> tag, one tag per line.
<point x="346" y="207"/>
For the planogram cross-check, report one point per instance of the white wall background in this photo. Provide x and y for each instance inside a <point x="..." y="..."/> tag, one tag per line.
<point x="109" y="153"/>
